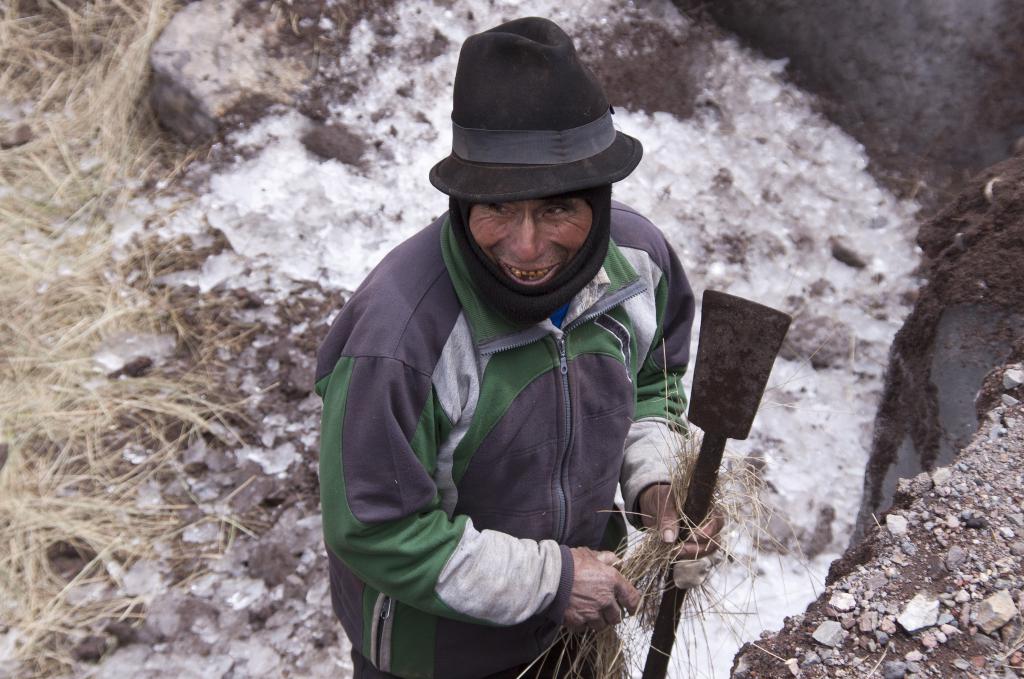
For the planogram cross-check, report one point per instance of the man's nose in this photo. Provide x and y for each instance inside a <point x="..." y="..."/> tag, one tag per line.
<point x="526" y="241"/>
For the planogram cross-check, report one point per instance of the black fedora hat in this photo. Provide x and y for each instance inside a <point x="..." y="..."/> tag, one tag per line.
<point x="529" y="119"/>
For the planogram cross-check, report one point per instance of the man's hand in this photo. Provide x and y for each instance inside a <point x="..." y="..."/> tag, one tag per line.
<point x="599" y="592"/>
<point x="658" y="511"/>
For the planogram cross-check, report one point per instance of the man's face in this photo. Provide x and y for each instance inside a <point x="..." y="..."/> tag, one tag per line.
<point x="531" y="240"/>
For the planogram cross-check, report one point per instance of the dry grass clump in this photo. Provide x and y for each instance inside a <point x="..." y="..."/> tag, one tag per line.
<point x="70" y="520"/>
<point x="621" y="651"/>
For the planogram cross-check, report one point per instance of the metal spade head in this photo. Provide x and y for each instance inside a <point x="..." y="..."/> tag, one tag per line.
<point x="739" y="340"/>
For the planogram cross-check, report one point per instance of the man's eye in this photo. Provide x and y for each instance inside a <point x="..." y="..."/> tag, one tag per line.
<point x="497" y="208"/>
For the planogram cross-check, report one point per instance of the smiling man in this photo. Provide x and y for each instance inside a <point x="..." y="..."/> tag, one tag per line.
<point x="497" y="378"/>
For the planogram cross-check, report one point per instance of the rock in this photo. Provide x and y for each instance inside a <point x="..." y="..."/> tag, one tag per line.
<point x="846" y="254"/>
<point x="920" y="612"/>
<point x="829" y="633"/>
<point x="215" y="57"/>
<point x="334" y="142"/>
<point x="955" y="558"/>
<point x="894" y="669"/>
<point x="868" y="621"/>
<point x="842" y="601"/>
<point x="941" y="475"/>
<point x="1013" y="378"/>
<point x="19" y="136"/>
<point x="3" y="455"/>
<point x="928" y="640"/>
<point x="976" y="522"/>
<point x="793" y="667"/>
<point x="1009" y="400"/>
<point x="914" y="656"/>
<point x="821" y="340"/>
<point x="896" y="523"/>
<point x="995" y="611"/>
<point x="1017" y="548"/>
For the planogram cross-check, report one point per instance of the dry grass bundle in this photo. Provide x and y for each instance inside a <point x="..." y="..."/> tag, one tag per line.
<point x="620" y="652"/>
<point x="69" y="515"/>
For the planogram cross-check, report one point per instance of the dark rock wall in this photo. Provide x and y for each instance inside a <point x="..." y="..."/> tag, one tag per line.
<point x="934" y="90"/>
<point x="968" y="318"/>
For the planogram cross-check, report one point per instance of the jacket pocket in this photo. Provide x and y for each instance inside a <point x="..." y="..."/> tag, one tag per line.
<point x="380" y="639"/>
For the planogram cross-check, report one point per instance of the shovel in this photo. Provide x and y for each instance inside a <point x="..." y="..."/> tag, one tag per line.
<point x="739" y="340"/>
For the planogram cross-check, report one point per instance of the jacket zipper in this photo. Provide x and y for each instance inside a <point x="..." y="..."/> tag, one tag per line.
<point x="560" y="481"/>
<point x="385" y="613"/>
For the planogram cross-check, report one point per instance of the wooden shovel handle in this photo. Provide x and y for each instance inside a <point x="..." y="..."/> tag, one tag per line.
<point x="696" y="507"/>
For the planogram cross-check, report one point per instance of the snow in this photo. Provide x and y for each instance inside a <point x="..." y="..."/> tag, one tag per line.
<point x="755" y="163"/>
<point x="114" y="353"/>
<point x="272" y="460"/>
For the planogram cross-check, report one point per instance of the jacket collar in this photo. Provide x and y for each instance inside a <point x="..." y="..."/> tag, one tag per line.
<point x="490" y="328"/>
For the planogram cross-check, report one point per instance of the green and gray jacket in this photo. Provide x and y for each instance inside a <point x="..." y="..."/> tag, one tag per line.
<point x="462" y="456"/>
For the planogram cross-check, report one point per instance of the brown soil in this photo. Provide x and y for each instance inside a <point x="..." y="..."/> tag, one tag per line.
<point x="646" y="65"/>
<point x="973" y="255"/>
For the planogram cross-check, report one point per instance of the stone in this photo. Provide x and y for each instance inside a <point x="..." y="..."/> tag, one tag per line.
<point x="976" y="522"/>
<point x="216" y="57"/>
<point x="19" y="136"/>
<point x="955" y="557"/>
<point x="894" y="669"/>
<point x="896" y="523"/>
<point x="843" y="252"/>
<point x="914" y="656"/>
<point x="920" y="612"/>
<point x="829" y="633"/>
<point x="995" y="611"/>
<point x="334" y="141"/>
<point x="941" y="475"/>
<point x="842" y="601"/>
<point x="1008" y="400"/>
<point x="928" y="640"/>
<point x="1017" y="549"/>
<point x="820" y="340"/>
<point x="793" y="667"/>
<point x="1013" y="378"/>
<point x="868" y="621"/>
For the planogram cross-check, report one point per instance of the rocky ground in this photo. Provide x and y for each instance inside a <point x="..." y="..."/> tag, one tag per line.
<point x="937" y="589"/>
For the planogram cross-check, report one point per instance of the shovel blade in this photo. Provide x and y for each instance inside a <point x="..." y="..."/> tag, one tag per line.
<point x="739" y="340"/>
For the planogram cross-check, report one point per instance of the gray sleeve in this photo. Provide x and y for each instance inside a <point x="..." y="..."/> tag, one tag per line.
<point x="650" y="452"/>
<point x="505" y="580"/>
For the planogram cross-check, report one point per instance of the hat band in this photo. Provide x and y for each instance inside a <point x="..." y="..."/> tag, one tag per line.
<point x="533" y="147"/>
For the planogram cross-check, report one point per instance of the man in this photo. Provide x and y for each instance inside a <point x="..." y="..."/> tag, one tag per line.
<point x="496" y="377"/>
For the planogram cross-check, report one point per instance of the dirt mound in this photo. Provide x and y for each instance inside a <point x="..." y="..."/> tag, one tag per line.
<point x="968" y="318"/>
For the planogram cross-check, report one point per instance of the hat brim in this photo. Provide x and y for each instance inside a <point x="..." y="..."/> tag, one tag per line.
<point x="493" y="182"/>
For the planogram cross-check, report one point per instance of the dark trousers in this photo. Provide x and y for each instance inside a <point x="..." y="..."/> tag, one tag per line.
<point x="549" y="669"/>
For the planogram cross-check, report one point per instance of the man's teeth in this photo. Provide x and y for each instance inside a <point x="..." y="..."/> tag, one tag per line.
<point x="532" y="275"/>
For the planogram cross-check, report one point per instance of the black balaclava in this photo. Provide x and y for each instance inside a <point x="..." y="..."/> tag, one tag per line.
<point x="524" y="304"/>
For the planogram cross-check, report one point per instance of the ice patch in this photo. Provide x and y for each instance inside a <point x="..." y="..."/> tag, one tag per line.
<point x="201" y="532"/>
<point x="115" y="352"/>
<point x="143" y="578"/>
<point x="271" y="460"/>
<point x="241" y="593"/>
